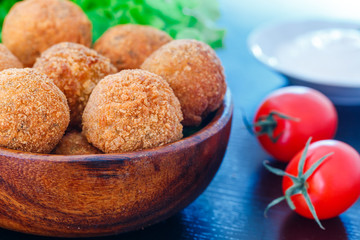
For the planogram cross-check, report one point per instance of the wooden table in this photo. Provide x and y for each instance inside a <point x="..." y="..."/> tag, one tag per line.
<point x="233" y="204"/>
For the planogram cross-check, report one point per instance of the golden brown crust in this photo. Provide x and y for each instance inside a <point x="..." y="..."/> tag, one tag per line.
<point x="128" y="45"/>
<point x="32" y="26"/>
<point x="132" y="110"/>
<point x="33" y="112"/>
<point x="195" y="74"/>
<point x="7" y="59"/>
<point x="76" y="70"/>
<point x="75" y="143"/>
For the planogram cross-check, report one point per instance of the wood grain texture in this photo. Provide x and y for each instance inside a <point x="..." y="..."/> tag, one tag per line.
<point x="95" y="195"/>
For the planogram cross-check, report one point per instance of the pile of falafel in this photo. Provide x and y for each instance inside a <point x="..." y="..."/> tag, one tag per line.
<point x="134" y="90"/>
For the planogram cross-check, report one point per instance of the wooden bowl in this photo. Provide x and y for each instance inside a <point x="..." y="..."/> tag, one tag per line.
<point x="105" y="194"/>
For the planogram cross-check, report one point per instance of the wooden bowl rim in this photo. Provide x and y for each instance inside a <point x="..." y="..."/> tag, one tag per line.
<point x="219" y="121"/>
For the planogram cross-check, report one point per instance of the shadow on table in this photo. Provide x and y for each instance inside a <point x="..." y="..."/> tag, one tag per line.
<point x="171" y="228"/>
<point x="265" y="187"/>
<point x="296" y="227"/>
<point x="269" y="185"/>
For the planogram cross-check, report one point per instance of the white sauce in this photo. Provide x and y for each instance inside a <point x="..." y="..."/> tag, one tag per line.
<point x="330" y="56"/>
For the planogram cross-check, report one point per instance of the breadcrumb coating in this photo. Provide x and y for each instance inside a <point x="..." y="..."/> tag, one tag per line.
<point x="7" y="59"/>
<point x="195" y="74"/>
<point x="132" y="110"/>
<point x="75" y="143"/>
<point x="76" y="70"/>
<point x="33" y="112"/>
<point x="128" y="45"/>
<point x="32" y="26"/>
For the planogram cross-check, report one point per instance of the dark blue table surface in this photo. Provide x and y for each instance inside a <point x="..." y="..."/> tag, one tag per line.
<point x="233" y="204"/>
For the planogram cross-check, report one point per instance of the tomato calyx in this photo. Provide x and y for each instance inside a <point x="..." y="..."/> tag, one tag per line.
<point x="267" y="124"/>
<point x="300" y="185"/>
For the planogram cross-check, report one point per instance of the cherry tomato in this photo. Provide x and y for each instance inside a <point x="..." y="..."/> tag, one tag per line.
<point x="335" y="184"/>
<point x="289" y="116"/>
<point x="321" y="181"/>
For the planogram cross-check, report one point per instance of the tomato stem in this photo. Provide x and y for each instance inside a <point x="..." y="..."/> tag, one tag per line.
<point x="311" y="208"/>
<point x="300" y="185"/>
<point x="273" y="203"/>
<point x="277" y="171"/>
<point x="268" y="124"/>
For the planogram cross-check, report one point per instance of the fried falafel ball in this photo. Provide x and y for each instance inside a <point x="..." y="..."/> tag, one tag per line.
<point x="33" y="112"/>
<point x="75" y="69"/>
<point x="128" y="45"/>
<point x="75" y="143"/>
<point x="195" y="74"/>
<point x="32" y="26"/>
<point x="132" y="110"/>
<point x="7" y="59"/>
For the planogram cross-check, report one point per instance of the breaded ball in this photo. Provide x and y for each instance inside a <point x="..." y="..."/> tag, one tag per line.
<point x="75" y="143"/>
<point x="128" y="45"/>
<point x="32" y="26"/>
<point x="195" y="74"/>
<point x="7" y="59"/>
<point x="75" y="69"/>
<point x="132" y="110"/>
<point x="33" y="112"/>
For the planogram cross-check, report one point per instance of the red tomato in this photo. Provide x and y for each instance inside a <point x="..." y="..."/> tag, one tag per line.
<point x="311" y="114"/>
<point x="335" y="184"/>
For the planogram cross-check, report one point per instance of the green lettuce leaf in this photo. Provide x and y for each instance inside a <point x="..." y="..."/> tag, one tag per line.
<point x="179" y="18"/>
